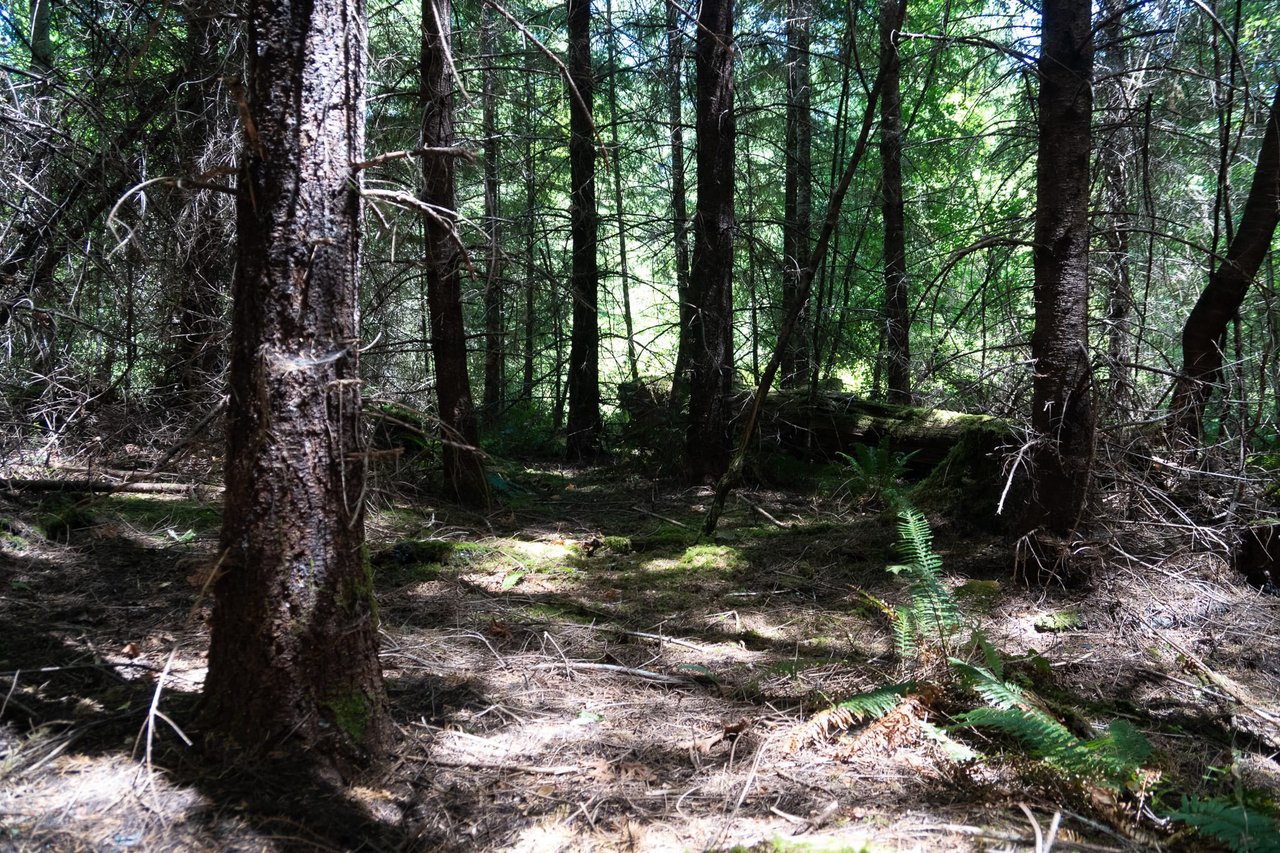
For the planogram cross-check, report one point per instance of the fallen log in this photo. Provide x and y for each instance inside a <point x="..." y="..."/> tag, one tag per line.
<point x="197" y="490"/>
<point x="957" y="458"/>
<point x="827" y="424"/>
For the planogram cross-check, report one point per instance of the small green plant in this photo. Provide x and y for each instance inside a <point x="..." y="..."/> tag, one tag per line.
<point x="933" y="615"/>
<point x="1112" y="759"/>
<point x="1239" y="827"/>
<point x="929" y="622"/>
<point x="875" y="473"/>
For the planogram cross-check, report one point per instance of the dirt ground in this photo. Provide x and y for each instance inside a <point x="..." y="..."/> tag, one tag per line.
<point x="578" y="672"/>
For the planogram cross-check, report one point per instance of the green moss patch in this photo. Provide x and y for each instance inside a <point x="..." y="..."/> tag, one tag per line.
<point x="701" y="558"/>
<point x="152" y="512"/>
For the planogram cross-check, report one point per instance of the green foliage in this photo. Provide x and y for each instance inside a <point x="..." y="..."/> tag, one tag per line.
<point x="523" y="431"/>
<point x="1062" y="620"/>
<point x="933" y="614"/>
<point x="874" y="704"/>
<point x="1239" y="827"/>
<point x="875" y="473"/>
<point x="1112" y="759"/>
<point x="710" y="558"/>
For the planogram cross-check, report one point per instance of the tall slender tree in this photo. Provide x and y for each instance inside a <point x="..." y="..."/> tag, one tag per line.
<point x="797" y="237"/>
<point x="1116" y="152"/>
<point x="679" y="202"/>
<point x="615" y="163"/>
<point x="584" y="423"/>
<point x="293" y="661"/>
<point x="463" y="465"/>
<point x="1206" y="326"/>
<point x="1062" y="416"/>
<point x="494" y="344"/>
<point x="711" y="276"/>
<point x="897" y="307"/>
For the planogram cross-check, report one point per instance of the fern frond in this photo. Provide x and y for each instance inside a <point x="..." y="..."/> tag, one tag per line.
<point x="1120" y="752"/>
<point x="905" y="631"/>
<point x="990" y="655"/>
<point x="932" y="602"/>
<point x="996" y="691"/>
<point x="1047" y="737"/>
<point x="863" y="706"/>
<point x="1237" y="826"/>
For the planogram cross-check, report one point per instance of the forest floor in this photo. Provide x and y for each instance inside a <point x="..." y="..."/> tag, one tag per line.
<point x="578" y="671"/>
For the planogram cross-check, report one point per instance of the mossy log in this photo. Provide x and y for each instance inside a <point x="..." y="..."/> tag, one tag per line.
<point x="826" y="424"/>
<point x="958" y="458"/>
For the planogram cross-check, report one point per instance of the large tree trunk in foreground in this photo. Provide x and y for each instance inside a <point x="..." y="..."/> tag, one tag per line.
<point x="293" y="662"/>
<point x="463" y="468"/>
<point x="1222" y="297"/>
<point x="584" y="424"/>
<point x="1062" y="417"/>
<point x="711" y="278"/>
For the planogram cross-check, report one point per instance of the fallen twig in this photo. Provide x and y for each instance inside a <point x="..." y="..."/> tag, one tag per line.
<point x="645" y="674"/>
<point x="555" y="770"/>
<point x="661" y="517"/>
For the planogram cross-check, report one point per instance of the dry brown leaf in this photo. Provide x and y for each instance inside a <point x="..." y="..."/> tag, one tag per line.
<point x="598" y="769"/>
<point x="634" y="771"/>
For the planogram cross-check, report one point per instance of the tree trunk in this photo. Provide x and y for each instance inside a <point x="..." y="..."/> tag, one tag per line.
<point x="679" y="204"/>
<point x="1222" y="297"/>
<point x="797" y="236"/>
<point x="463" y="468"/>
<point x="530" y="247"/>
<point x="583" y="440"/>
<point x="197" y="355"/>
<point x="293" y="660"/>
<point x="616" y="162"/>
<point x="1116" y="153"/>
<point x="493" y="338"/>
<point x="1062" y="416"/>
<point x="897" y="308"/>
<point x="41" y="39"/>
<point x="711" y="277"/>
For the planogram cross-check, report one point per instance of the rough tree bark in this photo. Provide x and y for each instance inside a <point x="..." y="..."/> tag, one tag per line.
<point x="494" y="344"/>
<point x="1221" y="299"/>
<point x="897" y="308"/>
<point x="711" y="277"/>
<point x="797" y="236"/>
<point x="583" y="425"/>
<point x="1062" y="417"/>
<point x="198" y="343"/>
<point x="679" y="203"/>
<point x="293" y="661"/>
<point x="1115" y="154"/>
<point x="530" y="248"/>
<point x="41" y="38"/>
<point x="463" y="467"/>
<point x="616" y="165"/>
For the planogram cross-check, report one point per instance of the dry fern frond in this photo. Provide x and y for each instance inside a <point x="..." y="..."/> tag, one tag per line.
<point x="900" y="727"/>
<point x="838" y="718"/>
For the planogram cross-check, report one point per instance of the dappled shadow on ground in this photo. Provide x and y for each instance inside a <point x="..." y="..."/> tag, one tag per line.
<point x="586" y="674"/>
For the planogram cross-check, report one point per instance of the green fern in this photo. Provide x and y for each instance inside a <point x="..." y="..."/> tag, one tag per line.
<point x="990" y="685"/>
<point x="871" y="705"/>
<point x="874" y="704"/>
<point x="934" y="613"/>
<point x="905" y="631"/>
<point x="1237" y="826"/>
<point x="875" y="471"/>
<point x="1112" y="759"/>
